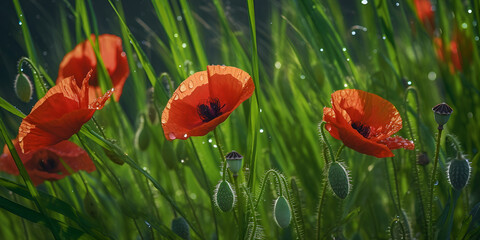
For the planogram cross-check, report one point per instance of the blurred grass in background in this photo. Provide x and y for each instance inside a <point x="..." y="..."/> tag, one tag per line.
<point x="306" y="50"/>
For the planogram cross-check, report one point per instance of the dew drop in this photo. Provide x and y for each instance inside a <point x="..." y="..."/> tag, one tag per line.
<point x="364" y="2"/>
<point x="261" y="130"/>
<point x="302" y="76"/>
<point x="476" y="38"/>
<point x="354" y="33"/>
<point x="278" y="65"/>
<point x="432" y="76"/>
<point x="176" y="97"/>
<point x="164" y="120"/>
<point x="436" y="183"/>
<point x="123" y="54"/>
<point x="190" y="84"/>
<point x="409" y="83"/>
<point x="321" y="49"/>
<point x="469" y="11"/>
<point x="344" y="49"/>
<point x="20" y="23"/>
<point x="210" y="140"/>
<point x="384" y="37"/>
<point x="215" y="145"/>
<point x="201" y="77"/>
<point x="183" y="88"/>
<point x="175" y="35"/>
<point x="184" y="45"/>
<point x="182" y="160"/>
<point x="179" y="18"/>
<point x="172" y="136"/>
<point x="397" y="4"/>
<point x="185" y="135"/>
<point x="148" y="224"/>
<point x="464" y="25"/>
<point x="168" y="105"/>
<point x="345" y="85"/>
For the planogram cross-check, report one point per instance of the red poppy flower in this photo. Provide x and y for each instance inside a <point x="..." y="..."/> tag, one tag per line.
<point x="59" y="114"/>
<point x="365" y="122"/>
<point x="204" y="100"/>
<point x="426" y="14"/>
<point x="82" y="58"/>
<point x="459" y="50"/>
<point x="44" y="163"/>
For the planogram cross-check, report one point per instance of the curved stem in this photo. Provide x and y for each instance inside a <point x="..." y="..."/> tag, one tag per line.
<point x="397" y="189"/>
<point x="432" y="184"/>
<point x="338" y="152"/>
<point x="324" y="139"/>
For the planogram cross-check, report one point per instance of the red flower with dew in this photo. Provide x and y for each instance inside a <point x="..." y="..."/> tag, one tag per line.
<point x="204" y="100"/>
<point x="82" y="58"/>
<point x="44" y="163"/>
<point x="365" y="123"/>
<point x="59" y="114"/>
<point x="426" y="14"/>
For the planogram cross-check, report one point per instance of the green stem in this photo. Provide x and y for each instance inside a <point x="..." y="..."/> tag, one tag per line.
<point x="324" y="139"/>
<point x="338" y="153"/>
<point x="320" y="207"/>
<point x="222" y="156"/>
<point x="432" y="184"/>
<point x="397" y="189"/>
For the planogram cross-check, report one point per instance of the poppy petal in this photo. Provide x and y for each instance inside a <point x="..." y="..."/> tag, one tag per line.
<point x="397" y="142"/>
<point x="73" y="156"/>
<point x="82" y="58"/>
<point x="227" y="86"/>
<point x="357" y="142"/>
<point x="328" y="117"/>
<point x="58" y="115"/>
<point x="369" y="109"/>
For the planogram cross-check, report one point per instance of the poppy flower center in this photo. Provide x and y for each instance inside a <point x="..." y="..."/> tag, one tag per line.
<point x="210" y="110"/>
<point x="364" y="130"/>
<point x="47" y="165"/>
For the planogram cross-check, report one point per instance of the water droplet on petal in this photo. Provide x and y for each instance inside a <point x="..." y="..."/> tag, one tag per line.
<point x="172" y="136"/>
<point x="164" y="120"/>
<point x="190" y="84"/>
<point x="168" y="105"/>
<point x="185" y="135"/>
<point x="183" y="88"/>
<point x="175" y="97"/>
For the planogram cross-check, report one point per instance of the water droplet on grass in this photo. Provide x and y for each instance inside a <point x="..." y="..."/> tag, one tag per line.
<point x="210" y="140"/>
<point x="302" y="76"/>
<point x="364" y="2"/>
<point x="432" y="76"/>
<point x="20" y="23"/>
<point x="175" y="35"/>
<point x="464" y="25"/>
<point x="409" y="83"/>
<point x="321" y="49"/>
<point x="261" y="130"/>
<point x="344" y="49"/>
<point x="469" y="11"/>
<point x="278" y="65"/>
<point x="215" y="145"/>
<point x="354" y="33"/>
<point x="179" y="18"/>
<point x="184" y="45"/>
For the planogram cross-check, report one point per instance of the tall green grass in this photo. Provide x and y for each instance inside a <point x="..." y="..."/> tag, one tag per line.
<point x="298" y="53"/>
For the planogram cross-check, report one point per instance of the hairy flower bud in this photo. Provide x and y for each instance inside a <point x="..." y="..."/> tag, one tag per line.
<point x="181" y="228"/>
<point x="224" y="196"/>
<point x="281" y="212"/>
<point x="458" y="172"/>
<point x="339" y="180"/>
<point x="23" y="87"/>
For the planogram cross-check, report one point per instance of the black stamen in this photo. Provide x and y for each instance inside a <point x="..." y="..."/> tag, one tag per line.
<point x="48" y="165"/>
<point x="210" y="110"/>
<point x="364" y="130"/>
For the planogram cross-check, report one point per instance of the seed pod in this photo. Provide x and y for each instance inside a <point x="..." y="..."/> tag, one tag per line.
<point x="339" y="180"/>
<point x="90" y="205"/>
<point x="224" y="196"/>
<point x="23" y="87"/>
<point x="281" y="212"/>
<point x="142" y="136"/>
<point x="181" y="228"/>
<point x="234" y="161"/>
<point x="458" y="172"/>
<point x="442" y="114"/>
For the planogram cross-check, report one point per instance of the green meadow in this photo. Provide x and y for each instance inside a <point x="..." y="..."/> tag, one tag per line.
<point x="297" y="52"/>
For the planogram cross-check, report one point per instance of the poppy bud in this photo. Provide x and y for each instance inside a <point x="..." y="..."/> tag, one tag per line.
<point x="339" y="180"/>
<point x="396" y="229"/>
<point x="234" y="160"/>
<point x="442" y="114"/>
<point x="423" y="159"/>
<point x="152" y="113"/>
<point x="23" y="87"/>
<point x="90" y="205"/>
<point x="281" y="212"/>
<point x="181" y="228"/>
<point x="142" y="136"/>
<point x="458" y="172"/>
<point x="224" y="196"/>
